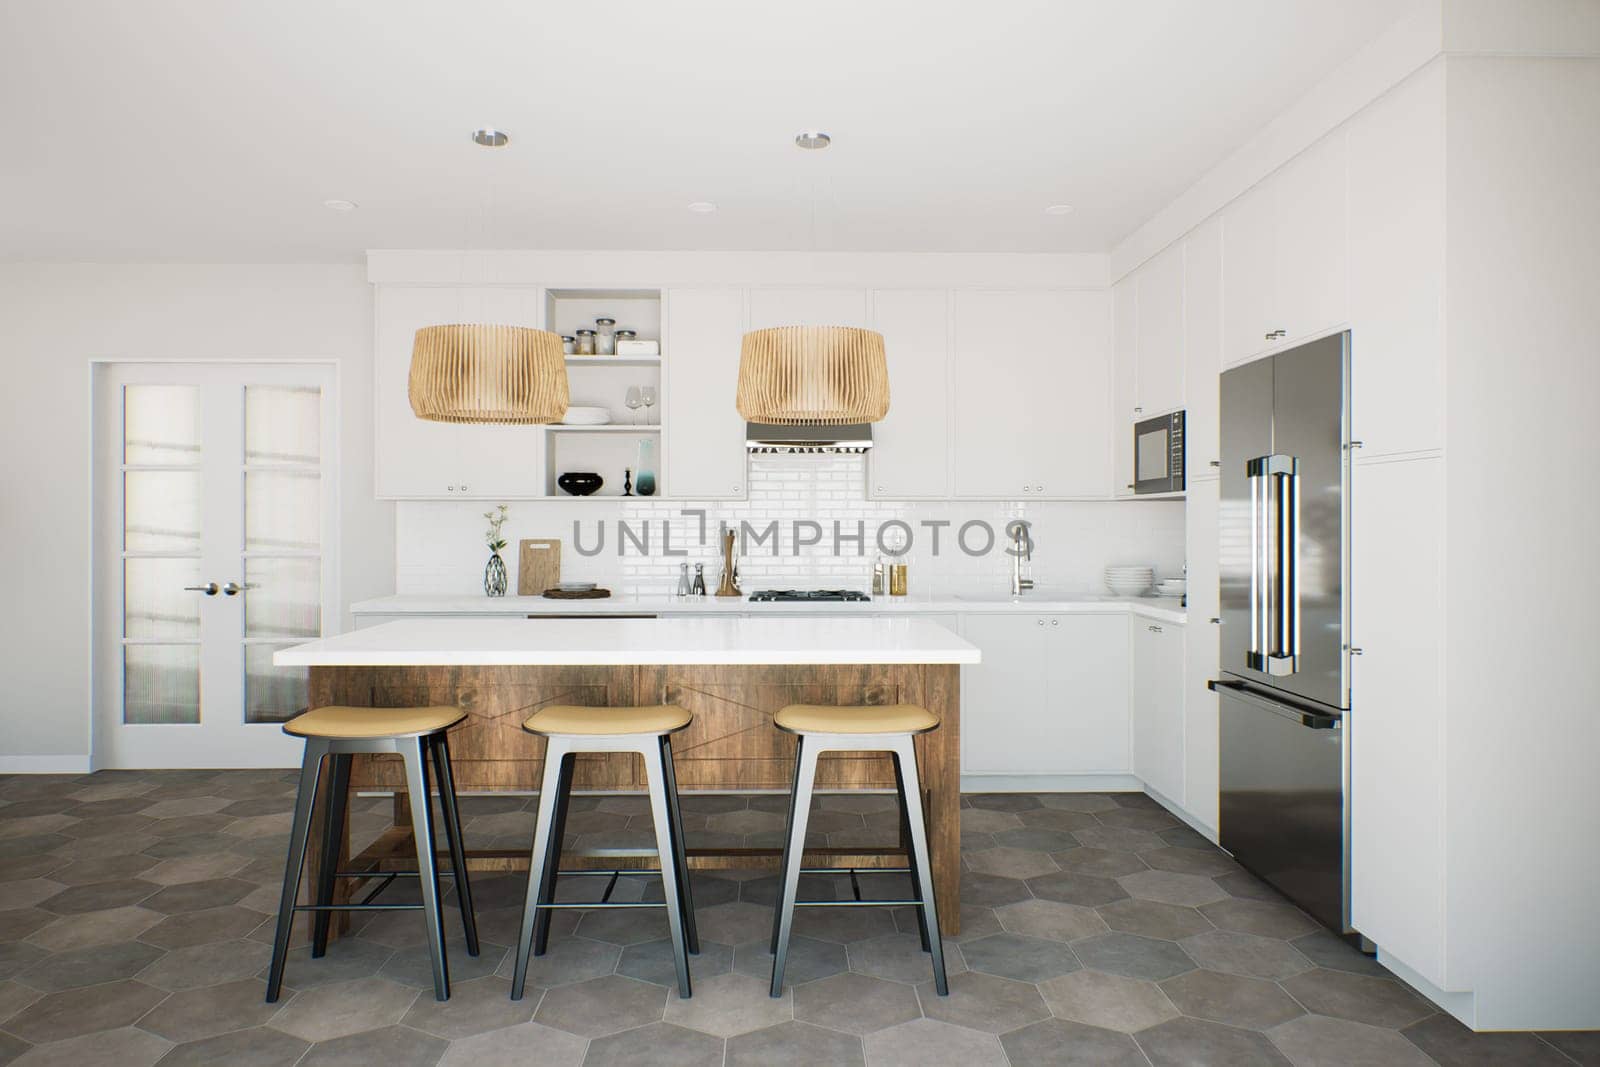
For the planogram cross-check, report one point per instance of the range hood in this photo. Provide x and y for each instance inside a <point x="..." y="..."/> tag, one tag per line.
<point x="765" y="438"/>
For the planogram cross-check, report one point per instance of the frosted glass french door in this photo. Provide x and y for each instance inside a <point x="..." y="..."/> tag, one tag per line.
<point x="214" y="509"/>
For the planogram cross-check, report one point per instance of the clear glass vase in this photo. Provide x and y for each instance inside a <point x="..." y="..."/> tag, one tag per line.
<point x="494" y="576"/>
<point x="645" y="482"/>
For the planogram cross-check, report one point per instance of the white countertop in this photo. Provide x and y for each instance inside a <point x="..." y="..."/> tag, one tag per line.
<point x="1166" y="609"/>
<point x="440" y="642"/>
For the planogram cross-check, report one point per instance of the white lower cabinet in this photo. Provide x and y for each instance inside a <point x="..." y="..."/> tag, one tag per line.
<point x="1158" y="727"/>
<point x="1049" y="698"/>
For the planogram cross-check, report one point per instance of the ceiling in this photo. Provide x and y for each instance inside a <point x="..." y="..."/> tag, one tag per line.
<point x="214" y="130"/>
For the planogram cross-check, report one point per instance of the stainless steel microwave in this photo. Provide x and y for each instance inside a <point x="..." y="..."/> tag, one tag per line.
<point x="1158" y="454"/>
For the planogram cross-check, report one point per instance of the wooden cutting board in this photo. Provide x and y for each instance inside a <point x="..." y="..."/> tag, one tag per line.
<point x="538" y="565"/>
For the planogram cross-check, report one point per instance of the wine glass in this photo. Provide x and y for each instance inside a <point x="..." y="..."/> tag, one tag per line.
<point x="648" y="395"/>
<point x="634" y="401"/>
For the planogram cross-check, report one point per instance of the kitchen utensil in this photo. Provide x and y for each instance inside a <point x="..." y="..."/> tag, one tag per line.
<point x="538" y="564"/>
<point x="730" y="580"/>
<point x="580" y="483"/>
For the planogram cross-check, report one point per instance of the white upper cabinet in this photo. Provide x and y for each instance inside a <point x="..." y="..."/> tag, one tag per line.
<point x="417" y="459"/>
<point x="1032" y="386"/>
<point x="807" y="307"/>
<point x="1397" y="243"/>
<point x="1286" y="254"/>
<point x="1124" y="375"/>
<point x="1202" y="349"/>
<point x="910" y="456"/>
<point x="1158" y="384"/>
<point x="704" y="448"/>
<point x="1158" y="741"/>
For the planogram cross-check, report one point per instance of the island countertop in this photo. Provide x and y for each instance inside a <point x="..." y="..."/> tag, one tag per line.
<point x="436" y="642"/>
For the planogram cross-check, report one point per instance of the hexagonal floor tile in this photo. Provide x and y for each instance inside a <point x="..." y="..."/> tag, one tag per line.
<point x="1245" y="954"/>
<point x="899" y="958"/>
<point x="1147" y="918"/>
<point x="1052" y="1040"/>
<point x="1018" y="956"/>
<point x="1133" y="956"/>
<point x="1070" y="887"/>
<point x="602" y="1006"/>
<point x="511" y="1046"/>
<point x="1011" y="862"/>
<point x="344" y="1008"/>
<point x="927" y="1041"/>
<point x="1078" y="801"/>
<point x="794" y="1042"/>
<point x="568" y="960"/>
<point x="658" y="1043"/>
<point x="99" y="896"/>
<point x="1109" y="1001"/>
<point x="978" y="820"/>
<point x="729" y="1004"/>
<point x="1358" y="998"/>
<point x="1172" y="887"/>
<point x="653" y="961"/>
<point x="1251" y="1003"/>
<point x="1317" y="1041"/>
<point x="346" y="958"/>
<point x="1258" y="917"/>
<point x="734" y="923"/>
<point x="990" y="890"/>
<point x="123" y="1047"/>
<point x="1050" y="918"/>
<point x="210" y="1010"/>
<point x="393" y="1046"/>
<point x="474" y="1007"/>
<point x="841" y="925"/>
<point x="984" y="1002"/>
<point x="1054" y="819"/>
<point x="1208" y="862"/>
<point x="89" y="966"/>
<point x="808" y="960"/>
<point x="1119" y="839"/>
<point x="258" y="1047"/>
<point x="413" y="966"/>
<point x="855" y="1003"/>
<point x="73" y="1012"/>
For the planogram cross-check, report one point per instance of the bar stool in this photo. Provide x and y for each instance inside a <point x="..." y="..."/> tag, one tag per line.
<point x="569" y="730"/>
<point x="887" y="728"/>
<point x="417" y="735"/>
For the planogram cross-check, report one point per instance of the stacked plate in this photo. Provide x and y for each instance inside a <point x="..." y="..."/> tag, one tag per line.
<point x="586" y="416"/>
<point x="1172" y="587"/>
<point x="1129" y="580"/>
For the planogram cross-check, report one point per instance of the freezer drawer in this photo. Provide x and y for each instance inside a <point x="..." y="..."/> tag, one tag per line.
<point x="1283" y="799"/>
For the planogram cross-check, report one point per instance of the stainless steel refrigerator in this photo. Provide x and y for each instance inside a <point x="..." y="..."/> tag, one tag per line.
<point x="1284" y="694"/>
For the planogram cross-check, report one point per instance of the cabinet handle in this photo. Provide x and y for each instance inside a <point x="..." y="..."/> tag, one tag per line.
<point x="1155" y="629"/>
<point x="1353" y="445"/>
<point x="1041" y="622"/>
<point x="1038" y="489"/>
<point x="1129" y="485"/>
<point x="880" y="488"/>
<point x="1138" y="411"/>
<point x="1355" y="651"/>
<point x="1213" y="462"/>
<point x="1055" y="622"/>
<point x="463" y="489"/>
<point x="736" y="489"/>
<point x="1215" y="621"/>
<point x="209" y="589"/>
<point x="449" y="488"/>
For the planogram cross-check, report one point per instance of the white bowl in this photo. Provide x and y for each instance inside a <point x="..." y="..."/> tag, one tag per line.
<point x="586" y="416"/>
<point x="1128" y="588"/>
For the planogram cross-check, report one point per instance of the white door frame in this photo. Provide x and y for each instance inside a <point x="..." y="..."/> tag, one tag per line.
<point x="234" y="744"/>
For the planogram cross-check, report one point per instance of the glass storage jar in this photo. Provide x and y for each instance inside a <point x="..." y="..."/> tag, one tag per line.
<point x="624" y="335"/>
<point x="605" y="339"/>
<point x="585" y="342"/>
<point x="569" y="344"/>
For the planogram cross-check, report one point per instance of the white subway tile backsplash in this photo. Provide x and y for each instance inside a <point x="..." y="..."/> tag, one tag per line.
<point x="438" y="545"/>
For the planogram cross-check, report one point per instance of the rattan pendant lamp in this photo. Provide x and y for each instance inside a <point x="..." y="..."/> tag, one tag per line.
<point x="475" y="372"/>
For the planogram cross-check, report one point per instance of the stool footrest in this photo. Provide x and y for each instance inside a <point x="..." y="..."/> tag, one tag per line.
<point x="358" y="907"/>
<point x="858" y="903"/>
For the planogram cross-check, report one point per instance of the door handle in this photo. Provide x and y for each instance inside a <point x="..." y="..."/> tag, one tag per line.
<point x="235" y="588"/>
<point x="209" y="589"/>
<point x="1305" y="716"/>
<point x="1274" y="571"/>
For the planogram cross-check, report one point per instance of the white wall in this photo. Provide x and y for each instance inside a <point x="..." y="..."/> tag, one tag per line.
<point x="55" y="318"/>
<point x="439" y="546"/>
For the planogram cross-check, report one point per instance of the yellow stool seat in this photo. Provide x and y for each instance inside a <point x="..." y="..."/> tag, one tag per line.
<point x="338" y="722"/>
<point x="866" y="719"/>
<point x="578" y="721"/>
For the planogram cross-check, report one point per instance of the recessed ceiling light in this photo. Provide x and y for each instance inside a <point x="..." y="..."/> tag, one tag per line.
<point x="490" y="137"/>
<point x="1058" y="209"/>
<point x="812" y="139"/>
<point x="340" y="205"/>
<point x="703" y="207"/>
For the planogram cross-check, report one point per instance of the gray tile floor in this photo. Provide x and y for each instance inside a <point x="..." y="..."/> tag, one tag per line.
<point x="134" y="922"/>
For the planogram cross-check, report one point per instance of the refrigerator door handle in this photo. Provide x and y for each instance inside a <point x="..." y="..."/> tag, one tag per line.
<point x="1274" y="568"/>
<point x="1313" y="720"/>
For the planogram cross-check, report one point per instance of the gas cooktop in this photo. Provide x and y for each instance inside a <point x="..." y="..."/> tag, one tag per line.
<point x="765" y="595"/>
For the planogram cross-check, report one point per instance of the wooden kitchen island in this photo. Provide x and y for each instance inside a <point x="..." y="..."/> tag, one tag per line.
<point x="732" y="674"/>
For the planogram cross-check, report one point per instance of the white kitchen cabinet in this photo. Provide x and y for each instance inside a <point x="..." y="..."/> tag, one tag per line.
<point x="1397" y="717"/>
<point x="418" y="459"/>
<point x="1202" y="352"/>
<point x="1202" y="653"/>
<point x="910" y="456"/>
<point x="1158" y="383"/>
<point x="1049" y="698"/>
<point x="1286" y="254"/>
<point x="704" y="439"/>
<point x="1397" y="250"/>
<point x="807" y="307"/>
<point x="1158" y="721"/>
<point x="1032" y="385"/>
<point x="1124" y="375"/>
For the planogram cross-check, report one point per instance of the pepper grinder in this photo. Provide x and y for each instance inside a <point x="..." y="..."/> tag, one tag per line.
<point x="730" y="569"/>
<point x="683" y="579"/>
<point x="699" y="588"/>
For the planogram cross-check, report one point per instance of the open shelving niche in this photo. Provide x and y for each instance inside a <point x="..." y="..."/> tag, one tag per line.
<point x="603" y="381"/>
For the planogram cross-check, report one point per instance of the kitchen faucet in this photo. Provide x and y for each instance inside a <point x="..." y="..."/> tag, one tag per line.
<point x="1021" y="552"/>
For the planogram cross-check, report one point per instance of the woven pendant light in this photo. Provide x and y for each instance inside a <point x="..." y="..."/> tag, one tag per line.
<point x="479" y="373"/>
<point x="813" y="376"/>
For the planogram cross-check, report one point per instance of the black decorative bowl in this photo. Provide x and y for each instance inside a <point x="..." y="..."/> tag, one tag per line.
<point x="580" y="483"/>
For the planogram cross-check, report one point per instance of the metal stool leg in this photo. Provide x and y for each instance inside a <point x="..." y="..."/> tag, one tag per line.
<point x="680" y="855"/>
<point x="656" y="774"/>
<point x="332" y="842"/>
<point x="553" y="758"/>
<point x="552" y="863"/>
<point x="905" y="801"/>
<point x="310" y="769"/>
<point x="414" y="752"/>
<point x="805" y="778"/>
<point x="905" y="752"/>
<point x="788" y="828"/>
<point x="452" y="835"/>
